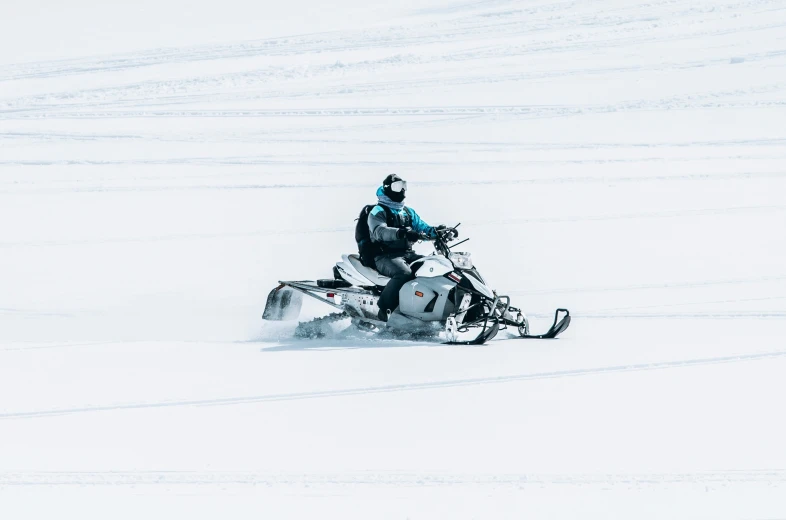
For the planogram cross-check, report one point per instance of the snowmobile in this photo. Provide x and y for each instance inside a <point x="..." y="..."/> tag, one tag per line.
<point x="448" y="296"/>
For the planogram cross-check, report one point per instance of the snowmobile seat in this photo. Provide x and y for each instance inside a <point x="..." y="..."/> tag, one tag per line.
<point x="371" y="274"/>
<point x="333" y="284"/>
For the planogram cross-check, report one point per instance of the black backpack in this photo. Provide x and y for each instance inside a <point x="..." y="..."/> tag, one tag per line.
<point x="370" y="250"/>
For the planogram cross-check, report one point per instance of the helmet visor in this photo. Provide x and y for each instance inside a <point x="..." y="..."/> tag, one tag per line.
<point x="398" y="186"/>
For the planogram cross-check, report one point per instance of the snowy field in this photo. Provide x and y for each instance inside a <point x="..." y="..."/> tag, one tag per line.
<point x="162" y="165"/>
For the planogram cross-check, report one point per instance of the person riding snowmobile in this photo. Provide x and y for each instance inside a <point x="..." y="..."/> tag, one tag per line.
<point x="395" y="241"/>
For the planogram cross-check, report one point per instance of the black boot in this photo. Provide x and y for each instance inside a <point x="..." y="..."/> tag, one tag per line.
<point x="383" y="314"/>
<point x="388" y="300"/>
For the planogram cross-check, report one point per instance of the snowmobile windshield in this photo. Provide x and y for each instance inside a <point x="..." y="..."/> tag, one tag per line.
<point x="398" y="186"/>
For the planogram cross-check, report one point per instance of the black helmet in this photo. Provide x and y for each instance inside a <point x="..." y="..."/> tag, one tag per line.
<point x="395" y="188"/>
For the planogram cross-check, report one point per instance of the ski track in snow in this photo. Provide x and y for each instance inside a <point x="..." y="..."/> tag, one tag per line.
<point x="27" y="107"/>
<point x="712" y="100"/>
<point x="514" y="22"/>
<point x="667" y="285"/>
<point x="204" y="478"/>
<point x="157" y="188"/>
<point x="485" y="182"/>
<point x="402" y="388"/>
<point x="630" y="30"/>
<point x="347" y="229"/>
<point x="256" y="137"/>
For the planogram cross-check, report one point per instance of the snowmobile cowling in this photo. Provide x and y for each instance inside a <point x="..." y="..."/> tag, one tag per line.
<point x="445" y="299"/>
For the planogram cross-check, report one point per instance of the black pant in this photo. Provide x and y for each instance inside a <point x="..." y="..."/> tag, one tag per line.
<point x="397" y="268"/>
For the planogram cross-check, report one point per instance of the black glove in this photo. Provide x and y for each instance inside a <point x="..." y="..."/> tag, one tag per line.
<point x="408" y="233"/>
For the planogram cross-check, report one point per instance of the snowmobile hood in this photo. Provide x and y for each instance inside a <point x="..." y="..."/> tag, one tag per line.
<point x="478" y="285"/>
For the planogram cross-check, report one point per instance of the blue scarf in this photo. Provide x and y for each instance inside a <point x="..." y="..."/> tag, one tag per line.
<point x="385" y="200"/>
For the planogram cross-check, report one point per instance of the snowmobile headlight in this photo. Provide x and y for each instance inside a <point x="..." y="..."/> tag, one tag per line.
<point x="461" y="260"/>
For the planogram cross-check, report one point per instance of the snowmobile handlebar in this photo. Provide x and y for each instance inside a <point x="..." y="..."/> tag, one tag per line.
<point x="446" y="234"/>
<point x="443" y="237"/>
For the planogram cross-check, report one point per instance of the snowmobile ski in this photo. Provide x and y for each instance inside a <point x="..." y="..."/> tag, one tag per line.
<point x="487" y="334"/>
<point x="557" y="328"/>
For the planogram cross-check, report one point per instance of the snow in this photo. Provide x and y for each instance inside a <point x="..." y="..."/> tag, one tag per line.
<point x="159" y="174"/>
